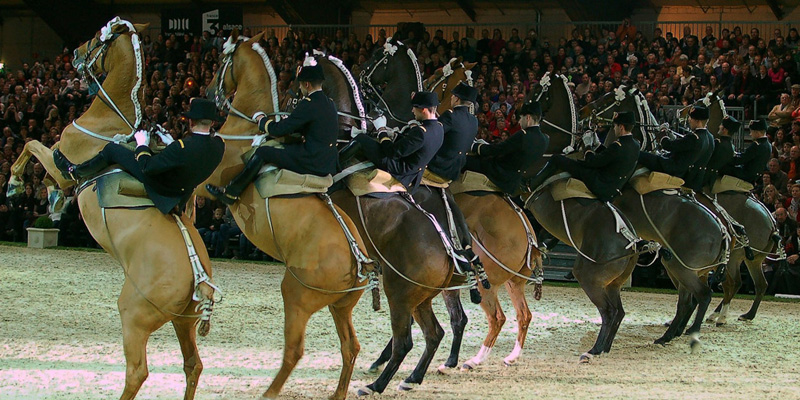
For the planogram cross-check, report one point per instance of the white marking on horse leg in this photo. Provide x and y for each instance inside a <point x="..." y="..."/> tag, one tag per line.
<point x="514" y="355"/>
<point x="364" y="391"/>
<point x="585" y="358"/>
<point x="405" y="386"/>
<point x="479" y="358"/>
<point x="713" y="317"/>
<point x="723" y="315"/>
<point x="694" y="343"/>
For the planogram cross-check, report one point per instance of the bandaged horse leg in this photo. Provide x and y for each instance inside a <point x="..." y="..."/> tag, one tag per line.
<point x="496" y="319"/>
<point x="516" y="290"/>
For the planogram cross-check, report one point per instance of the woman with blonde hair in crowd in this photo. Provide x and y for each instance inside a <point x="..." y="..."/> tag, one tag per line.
<point x="771" y="198"/>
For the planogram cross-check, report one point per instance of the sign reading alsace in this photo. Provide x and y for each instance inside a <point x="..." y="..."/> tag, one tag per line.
<point x="196" y="21"/>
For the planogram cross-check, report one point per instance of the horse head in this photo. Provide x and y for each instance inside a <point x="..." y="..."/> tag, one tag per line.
<point x="389" y="79"/>
<point x="105" y="48"/>
<point x="558" y="110"/>
<point x="445" y="79"/>
<point x="246" y="73"/>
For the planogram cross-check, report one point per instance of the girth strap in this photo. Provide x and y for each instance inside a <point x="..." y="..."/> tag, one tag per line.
<point x="451" y="221"/>
<point x="198" y="271"/>
<point x="445" y="239"/>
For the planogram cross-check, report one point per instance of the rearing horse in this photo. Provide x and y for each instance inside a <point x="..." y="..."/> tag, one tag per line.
<point x="302" y="232"/>
<point x="158" y="273"/>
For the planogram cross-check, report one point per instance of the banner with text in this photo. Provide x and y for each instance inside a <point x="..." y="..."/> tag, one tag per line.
<point x="209" y="19"/>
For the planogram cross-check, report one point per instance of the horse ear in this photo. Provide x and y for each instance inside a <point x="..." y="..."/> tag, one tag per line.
<point x="460" y="60"/>
<point x="234" y="35"/>
<point x="469" y="65"/>
<point x="438" y="73"/>
<point x="141" y="27"/>
<point x="257" y="38"/>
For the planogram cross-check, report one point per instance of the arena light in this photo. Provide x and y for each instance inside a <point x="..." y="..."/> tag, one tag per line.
<point x="2" y="65"/>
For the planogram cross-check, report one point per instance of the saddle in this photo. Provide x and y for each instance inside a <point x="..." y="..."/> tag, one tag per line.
<point x="471" y="181"/>
<point x="731" y="184"/>
<point x="371" y="181"/>
<point x="246" y="156"/>
<point x="570" y="188"/>
<point x="118" y="189"/>
<point x="431" y="179"/>
<point x="273" y="181"/>
<point x="644" y="181"/>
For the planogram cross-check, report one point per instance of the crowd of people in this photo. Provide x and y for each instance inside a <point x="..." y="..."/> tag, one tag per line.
<point x="756" y="72"/>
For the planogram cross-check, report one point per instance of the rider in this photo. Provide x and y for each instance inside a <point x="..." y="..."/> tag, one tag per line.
<point x="723" y="150"/>
<point x="695" y="175"/>
<point x="749" y="165"/>
<point x="314" y="118"/>
<point x="170" y="176"/>
<point x="683" y="151"/>
<point x="505" y="163"/>
<point x="460" y="127"/>
<point x="604" y="172"/>
<point x="407" y="156"/>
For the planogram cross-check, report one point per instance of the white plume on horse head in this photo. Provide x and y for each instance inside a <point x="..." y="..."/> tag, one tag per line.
<point x="545" y="81"/>
<point x="707" y="99"/>
<point x="468" y="74"/>
<point x="309" y="61"/>
<point x="389" y="48"/>
<point x="106" y="31"/>
<point x="619" y="93"/>
<point x="229" y="46"/>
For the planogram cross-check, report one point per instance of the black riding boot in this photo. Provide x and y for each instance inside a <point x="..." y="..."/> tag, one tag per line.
<point x="229" y="194"/>
<point x="83" y="170"/>
<point x="549" y="169"/>
<point x="348" y="152"/>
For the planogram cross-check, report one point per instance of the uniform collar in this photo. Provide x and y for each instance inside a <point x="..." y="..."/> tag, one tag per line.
<point x="201" y="133"/>
<point x="460" y="105"/>
<point x="318" y="90"/>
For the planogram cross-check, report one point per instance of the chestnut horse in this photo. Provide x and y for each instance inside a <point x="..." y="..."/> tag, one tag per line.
<point x="445" y="79"/>
<point x="158" y="286"/>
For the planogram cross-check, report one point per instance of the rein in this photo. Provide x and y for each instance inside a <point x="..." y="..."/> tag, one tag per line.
<point x="373" y="93"/>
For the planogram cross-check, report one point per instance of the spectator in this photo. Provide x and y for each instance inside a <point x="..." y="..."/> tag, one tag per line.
<point x="792" y="204"/>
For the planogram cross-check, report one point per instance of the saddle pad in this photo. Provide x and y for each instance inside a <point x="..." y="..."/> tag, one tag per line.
<point x="471" y="181"/>
<point x="570" y="189"/>
<point x="644" y="181"/>
<point x="731" y="184"/>
<point x="431" y="179"/>
<point x="121" y="190"/>
<point x="277" y="182"/>
<point x="373" y="181"/>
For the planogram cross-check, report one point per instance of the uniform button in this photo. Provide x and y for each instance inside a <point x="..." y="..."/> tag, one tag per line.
<point x="330" y="145"/>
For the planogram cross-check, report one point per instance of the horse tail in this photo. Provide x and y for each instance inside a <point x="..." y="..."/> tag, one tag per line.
<point x="538" y="271"/>
<point x="204" y="328"/>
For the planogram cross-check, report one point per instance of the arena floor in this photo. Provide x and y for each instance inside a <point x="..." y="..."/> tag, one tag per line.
<point x="60" y="338"/>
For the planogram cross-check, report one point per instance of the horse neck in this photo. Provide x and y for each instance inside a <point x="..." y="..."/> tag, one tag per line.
<point x="558" y="140"/>
<point x="100" y="118"/>
<point x="398" y="93"/>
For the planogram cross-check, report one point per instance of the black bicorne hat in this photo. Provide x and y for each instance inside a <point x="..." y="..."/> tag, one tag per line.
<point x="624" y="118"/>
<point x="758" y="125"/>
<point x="531" y="107"/>
<point x="731" y="124"/>
<point x="311" y="73"/>
<point x="425" y="100"/>
<point x="200" y="108"/>
<point x="699" y="112"/>
<point x="465" y="92"/>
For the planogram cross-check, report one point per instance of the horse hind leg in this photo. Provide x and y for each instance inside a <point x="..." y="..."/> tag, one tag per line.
<point x="294" y="333"/>
<point x="458" y="321"/>
<point x="516" y="290"/>
<point x="139" y="321"/>
<point x="433" y="337"/>
<point x="760" y="282"/>
<point x="343" y="318"/>
<point x="192" y="365"/>
<point x="682" y="309"/>
<point x="730" y="286"/>
<point x="401" y="345"/>
<point x="385" y="355"/>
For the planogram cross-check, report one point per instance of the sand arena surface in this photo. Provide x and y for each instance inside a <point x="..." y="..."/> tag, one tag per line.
<point x="60" y="338"/>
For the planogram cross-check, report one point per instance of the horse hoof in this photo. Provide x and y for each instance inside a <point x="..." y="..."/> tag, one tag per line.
<point x="745" y="317"/>
<point x="661" y="341"/>
<point x="694" y="344"/>
<point x="718" y="324"/>
<point x="712" y="318"/>
<point x="444" y="369"/>
<point x="364" y="391"/>
<point x="585" y="358"/>
<point x="667" y="324"/>
<point x="468" y="366"/>
<point x="374" y="369"/>
<point x="407" y="386"/>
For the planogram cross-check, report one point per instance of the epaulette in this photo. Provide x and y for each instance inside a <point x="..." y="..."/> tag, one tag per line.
<point x="423" y="128"/>
<point x="439" y="123"/>
<point x="307" y="98"/>
<point x="181" y="143"/>
<point x="618" y="142"/>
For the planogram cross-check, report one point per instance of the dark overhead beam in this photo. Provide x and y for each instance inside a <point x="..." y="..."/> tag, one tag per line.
<point x="776" y="9"/>
<point x="469" y="8"/>
<point x="92" y="17"/>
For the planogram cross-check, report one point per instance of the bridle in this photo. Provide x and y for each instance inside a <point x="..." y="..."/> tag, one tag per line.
<point x="447" y="71"/>
<point x="98" y="48"/>
<point x="374" y="94"/>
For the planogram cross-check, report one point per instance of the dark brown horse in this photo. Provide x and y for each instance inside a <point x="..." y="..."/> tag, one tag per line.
<point x="302" y="232"/>
<point x="416" y="266"/>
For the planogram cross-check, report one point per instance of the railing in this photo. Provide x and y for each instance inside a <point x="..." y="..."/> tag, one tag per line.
<point x="551" y="31"/>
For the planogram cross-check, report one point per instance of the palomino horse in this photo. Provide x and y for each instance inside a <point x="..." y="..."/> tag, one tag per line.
<point x="389" y="77"/>
<point x="660" y="216"/>
<point x="445" y="79"/>
<point x="158" y="285"/>
<point x="416" y="265"/>
<point x="302" y="232"/>
<point x="758" y="224"/>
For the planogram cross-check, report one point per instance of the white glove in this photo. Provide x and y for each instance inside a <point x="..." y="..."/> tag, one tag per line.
<point x="258" y="115"/>
<point x="379" y="122"/>
<point x="142" y="137"/>
<point x="590" y="139"/>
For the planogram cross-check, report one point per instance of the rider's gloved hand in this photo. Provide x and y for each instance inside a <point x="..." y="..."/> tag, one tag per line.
<point x="142" y="137"/>
<point x="379" y="123"/>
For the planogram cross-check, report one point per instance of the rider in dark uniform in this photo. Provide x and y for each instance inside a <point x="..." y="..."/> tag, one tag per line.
<point x="314" y="118"/>
<point x="695" y="175"/>
<point x="683" y="151"/>
<point x="407" y="156"/>
<point x="505" y="163"/>
<point x="723" y="150"/>
<point x="749" y="165"/>
<point x="170" y="176"/>
<point x="460" y="127"/>
<point x="606" y="171"/>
